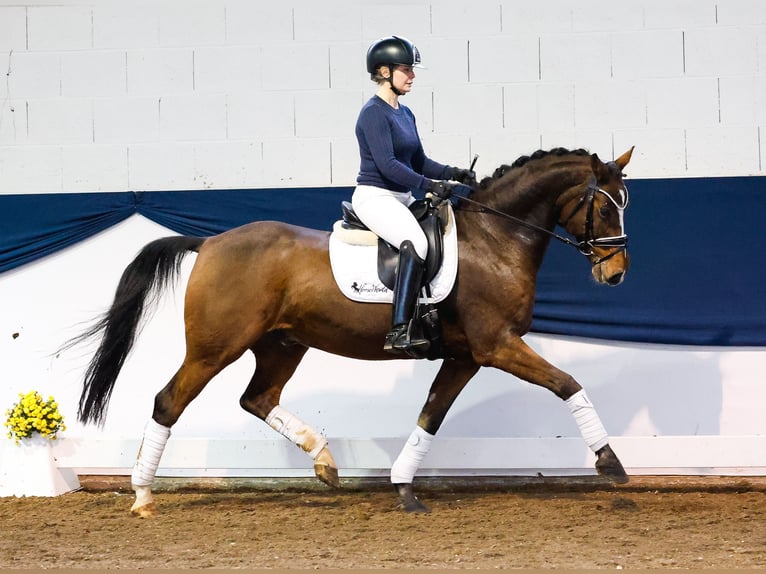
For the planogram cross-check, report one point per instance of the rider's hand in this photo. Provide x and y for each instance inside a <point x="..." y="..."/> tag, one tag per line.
<point x="441" y="189"/>
<point x="465" y="176"/>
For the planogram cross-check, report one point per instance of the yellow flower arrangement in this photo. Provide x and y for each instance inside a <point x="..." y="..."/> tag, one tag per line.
<point x="32" y="415"/>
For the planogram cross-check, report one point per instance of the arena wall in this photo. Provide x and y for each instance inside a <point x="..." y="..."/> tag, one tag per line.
<point x="220" y="94"/>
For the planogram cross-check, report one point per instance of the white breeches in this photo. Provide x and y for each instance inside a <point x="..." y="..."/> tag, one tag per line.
<point x="387" y="214"/>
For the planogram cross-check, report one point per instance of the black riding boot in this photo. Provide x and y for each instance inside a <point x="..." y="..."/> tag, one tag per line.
<point x="406" y="288"/>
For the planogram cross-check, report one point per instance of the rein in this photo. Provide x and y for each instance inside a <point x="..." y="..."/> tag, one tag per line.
<point x="584" y="247"/>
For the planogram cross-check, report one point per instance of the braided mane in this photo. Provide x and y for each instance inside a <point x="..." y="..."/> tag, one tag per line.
<point x="524" y="159"/>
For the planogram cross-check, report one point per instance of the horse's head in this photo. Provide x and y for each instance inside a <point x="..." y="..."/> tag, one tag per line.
<point x="595" y="217"/>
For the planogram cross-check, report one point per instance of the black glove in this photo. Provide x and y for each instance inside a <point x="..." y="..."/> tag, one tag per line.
<point x="441" y="189"/>
<point x="465" y="176"/>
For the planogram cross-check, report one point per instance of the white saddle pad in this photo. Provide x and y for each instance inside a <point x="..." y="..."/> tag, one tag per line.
<point x="354" y="261"/>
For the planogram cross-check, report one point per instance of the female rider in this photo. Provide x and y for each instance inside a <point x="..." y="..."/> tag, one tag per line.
<point x="393" y="164"/>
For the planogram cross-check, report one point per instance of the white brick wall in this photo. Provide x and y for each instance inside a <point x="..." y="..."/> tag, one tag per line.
<point x="233" y="93"/>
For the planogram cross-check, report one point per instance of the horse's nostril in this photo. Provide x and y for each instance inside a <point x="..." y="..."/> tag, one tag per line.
<point x="615" y="279"/>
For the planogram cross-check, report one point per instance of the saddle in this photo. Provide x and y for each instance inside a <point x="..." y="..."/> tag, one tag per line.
<point x="431" y="222"/>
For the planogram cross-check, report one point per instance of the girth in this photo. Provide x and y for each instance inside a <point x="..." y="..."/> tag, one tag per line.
<point x="430" y="221"/>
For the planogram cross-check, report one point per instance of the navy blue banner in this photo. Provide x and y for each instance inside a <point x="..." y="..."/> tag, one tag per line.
<point x="696" y="278"/>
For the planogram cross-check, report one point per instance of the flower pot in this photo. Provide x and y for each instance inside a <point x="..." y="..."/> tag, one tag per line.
<point x="29" y="469"/>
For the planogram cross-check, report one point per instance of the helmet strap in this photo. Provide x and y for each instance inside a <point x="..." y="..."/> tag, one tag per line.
<point x="391" y="81"/>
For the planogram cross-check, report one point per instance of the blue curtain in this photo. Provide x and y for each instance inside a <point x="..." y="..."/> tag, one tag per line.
<point x="697" y="248"/>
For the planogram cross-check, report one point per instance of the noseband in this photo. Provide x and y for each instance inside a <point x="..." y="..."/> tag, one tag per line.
<point x="618" y="242"/>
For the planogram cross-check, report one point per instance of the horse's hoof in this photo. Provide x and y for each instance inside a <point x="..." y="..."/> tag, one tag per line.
<point x="408" y="501"/>
<point x="325" y="468"/>
<point x="145" y="511"/>
<point x="609" y="466"/>
<point x="327" y="474"/>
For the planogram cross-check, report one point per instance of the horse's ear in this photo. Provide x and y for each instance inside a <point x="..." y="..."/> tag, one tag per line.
<point x="623" y="160"/>
<point x="600" y="170"/>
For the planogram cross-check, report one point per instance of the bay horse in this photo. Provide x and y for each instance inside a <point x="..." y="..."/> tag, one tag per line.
<point x="268" y="287"/>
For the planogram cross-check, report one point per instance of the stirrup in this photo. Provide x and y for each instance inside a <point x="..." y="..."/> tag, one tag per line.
<point x="398" y="340"/>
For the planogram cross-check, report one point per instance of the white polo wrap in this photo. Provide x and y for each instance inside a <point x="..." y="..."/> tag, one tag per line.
<point x="294" y="429"/>
<point x="588" y="420"/>
<point x="407" y="463"/>
<point x="155" y="438"/>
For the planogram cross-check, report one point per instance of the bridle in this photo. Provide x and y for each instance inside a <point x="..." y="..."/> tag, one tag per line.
<point x="618" y="243"/>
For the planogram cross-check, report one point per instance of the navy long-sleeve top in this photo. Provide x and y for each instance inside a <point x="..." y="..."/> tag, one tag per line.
<point x="391" y="152"/>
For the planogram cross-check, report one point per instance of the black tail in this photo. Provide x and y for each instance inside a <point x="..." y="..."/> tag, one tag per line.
<point x="154" y="268"/>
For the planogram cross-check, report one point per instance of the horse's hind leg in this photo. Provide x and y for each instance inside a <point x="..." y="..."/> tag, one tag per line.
<point x="275" y="362"/>
<point x="169" y="403"/>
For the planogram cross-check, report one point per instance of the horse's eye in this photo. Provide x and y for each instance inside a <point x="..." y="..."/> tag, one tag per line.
<point x="603" y="211"/>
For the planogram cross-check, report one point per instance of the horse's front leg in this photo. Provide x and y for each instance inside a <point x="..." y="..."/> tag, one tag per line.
<point x="276" y="360"/>
<point x="517" y="358"/>
<point x="450" y="380"/>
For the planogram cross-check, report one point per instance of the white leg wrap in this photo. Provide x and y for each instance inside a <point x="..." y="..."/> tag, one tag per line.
<point x="294" y="429"/>
<point x="155" y="438"/>
<point x="588" y="420"/>
<point x="407" y="463"/>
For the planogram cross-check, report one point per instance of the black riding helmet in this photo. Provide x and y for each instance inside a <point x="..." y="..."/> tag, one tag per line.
<point x="392" y="51"/>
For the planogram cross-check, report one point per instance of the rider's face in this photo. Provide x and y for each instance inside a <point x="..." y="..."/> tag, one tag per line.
<point x="403" y="77"/>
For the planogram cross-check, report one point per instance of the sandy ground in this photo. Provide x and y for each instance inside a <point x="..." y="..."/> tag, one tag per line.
<point x="532" y="523"/>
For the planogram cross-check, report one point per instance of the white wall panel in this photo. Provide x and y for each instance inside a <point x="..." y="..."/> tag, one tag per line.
<point x="500" y="59"/>
<point x="682" y="102"/>
<point x="261" y="116"/>
<point x="452" y="150"/>
<point x="30" y="169"/>
<point x="466" y="20"/>
<point x="326" y="113"/>
<point x="502" y="148"/>
<point x="411" y="20"/>
<point x="345" y="161"/>
<point x="227" y="165"/>
<point x="93" y="73"/>
<point x="328" y="22"/>
<point x="295" y="66"/>
<point x="602" y="16"/>
<point x="647" y="54"/>
<point x="193" y="117"/>
<point x="161" y="166"/>
<point x="468" y="110"/>
<point x="596" y="141"/>
<point x="741" y="12"/>
<point x="611" y="104"/>
<point x="191" y="23"/>
<point x="445" y="60"/>
<point x="722" y="150"/>
<point x="658" y="153"/>
<point x="299" y="163"/>
<point x="347" y="66"/>
<point x="721" y="51"/>
<point x="13" y="28"/>
<point x="743" y="100"/>
<point x="60" y="121"/>
<point x="126" y="119"/>
<point x="529" y="18"/>
<point x="258" y="23"/>
<point x="121" y="25"/>
<point x="228" y="69"/>
<point x="95" y="168"/>
<point x="67" y="27"/>
<point x="575" y="57"/>
<point x="13" y="122"/>
<point x="160" y="72"/>
<point x="555" y="105"/>
<point x="31" y="74"/>
<point x="681" y="14"/>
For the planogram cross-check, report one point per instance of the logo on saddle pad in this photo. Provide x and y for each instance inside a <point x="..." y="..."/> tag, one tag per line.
<point x="355" y="263"/>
